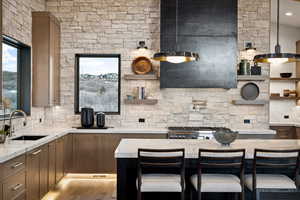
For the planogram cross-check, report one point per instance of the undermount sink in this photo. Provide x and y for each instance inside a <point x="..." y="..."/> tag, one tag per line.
<point x="30" y="137"/>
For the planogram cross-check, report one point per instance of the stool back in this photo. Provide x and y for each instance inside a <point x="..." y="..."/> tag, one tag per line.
<point x="281" y="161"/>
<point x="161" y="160"/>
<point x="232" y="160"/>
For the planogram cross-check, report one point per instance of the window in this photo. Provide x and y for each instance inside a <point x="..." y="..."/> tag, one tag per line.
<point x="10" y="75"/>
<point x="16" y="72"/>
<point x="98" y="83"/>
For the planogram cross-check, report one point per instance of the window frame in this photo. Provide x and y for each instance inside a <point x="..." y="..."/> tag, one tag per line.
<point x="23" y="74"/>
<point x="77" y="73"/>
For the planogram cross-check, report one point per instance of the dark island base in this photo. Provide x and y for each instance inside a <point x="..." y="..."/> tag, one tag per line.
<point x="126" y="185"/>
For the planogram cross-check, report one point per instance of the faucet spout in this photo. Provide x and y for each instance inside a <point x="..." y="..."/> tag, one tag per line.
<point x="12" y="114"/>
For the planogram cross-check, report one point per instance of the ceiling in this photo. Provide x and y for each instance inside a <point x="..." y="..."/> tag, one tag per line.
<point x="292" y="6"/>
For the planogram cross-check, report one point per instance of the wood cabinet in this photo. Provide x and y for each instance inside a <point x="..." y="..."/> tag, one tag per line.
<point x="94" y="153"/>
<point x="68" y="153"/>
<point x="59" y="162"/>
<point x="51" y="165"/>
<point x="86" y="153"/>
<point x="37" y="173"/>
<point x="46" y="60"/>
<point x="285" y="132"/>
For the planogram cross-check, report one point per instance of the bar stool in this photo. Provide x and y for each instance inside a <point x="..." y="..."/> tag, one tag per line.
<point x="231" y="161"/>
<point x="156" y="171"/>
<point x="269" y="180"/>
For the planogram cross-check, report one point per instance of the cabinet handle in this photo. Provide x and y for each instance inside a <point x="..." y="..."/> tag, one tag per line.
<point x="37" y="152"/>
<point x="17" y="187"/>
<point x="17" y="165"/>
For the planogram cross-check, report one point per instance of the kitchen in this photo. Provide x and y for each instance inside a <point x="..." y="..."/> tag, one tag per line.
<point x="117" y="57"/>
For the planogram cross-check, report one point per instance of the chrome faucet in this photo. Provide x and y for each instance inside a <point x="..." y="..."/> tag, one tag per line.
<point x="12" y="114"/>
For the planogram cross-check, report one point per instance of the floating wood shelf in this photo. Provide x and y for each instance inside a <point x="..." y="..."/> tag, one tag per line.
<point x="284" y="98"/>
<point x="284" y="79"/>
<point x="141" y="101"/>
<point x="245" y="102"/>
<point x="251" y="78"/>
<point x="140" y="77"/>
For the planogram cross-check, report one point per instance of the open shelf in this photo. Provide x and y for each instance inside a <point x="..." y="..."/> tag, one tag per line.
<point x="141" y="101"/>
<point x="251" y="78"/>
<point x="245" y="102"/>
<point x="284" y="98"/>
<point x="140" y="77"/>
<point x="284" y="79"/>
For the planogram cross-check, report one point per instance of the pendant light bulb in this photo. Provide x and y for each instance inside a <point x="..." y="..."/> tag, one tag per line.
<point x="278" y="61"/>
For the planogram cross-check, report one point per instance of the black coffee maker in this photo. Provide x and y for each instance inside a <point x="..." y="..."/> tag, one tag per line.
<point x="87" y="117"/>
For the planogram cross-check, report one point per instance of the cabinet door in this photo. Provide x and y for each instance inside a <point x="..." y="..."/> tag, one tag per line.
<point x="33" y="175"/>
<point x="86" y="153"/>
<point x="285" y="132"/>
<point x="59" y="169"/>
<point x="52" y="161"/>
<point x="44" y="159"/>
<point x="68" y="153"/>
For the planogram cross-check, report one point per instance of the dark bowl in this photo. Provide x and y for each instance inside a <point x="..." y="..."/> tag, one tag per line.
<point x="286" y="75"/>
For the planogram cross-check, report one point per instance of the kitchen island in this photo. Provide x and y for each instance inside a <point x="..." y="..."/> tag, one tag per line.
<point x="126" y="155"/>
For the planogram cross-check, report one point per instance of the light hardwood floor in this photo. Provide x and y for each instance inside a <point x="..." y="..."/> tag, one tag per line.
<point x="84" y="187"/>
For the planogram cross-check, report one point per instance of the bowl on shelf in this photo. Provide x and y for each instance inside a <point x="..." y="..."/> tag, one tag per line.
<point x="225" y="136"/>
<point x="286" y="75"/>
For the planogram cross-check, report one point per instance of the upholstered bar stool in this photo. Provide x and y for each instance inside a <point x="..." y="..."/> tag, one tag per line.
<point x="219" y="181"/>
<point x="153" y="165"/>
<point x="274" y="171"/>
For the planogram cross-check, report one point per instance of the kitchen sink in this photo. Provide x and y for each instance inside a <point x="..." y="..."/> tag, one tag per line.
<point x="30" y="137"/>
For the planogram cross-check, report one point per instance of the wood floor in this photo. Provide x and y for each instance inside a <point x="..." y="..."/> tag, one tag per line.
<point x="84" y="187"/>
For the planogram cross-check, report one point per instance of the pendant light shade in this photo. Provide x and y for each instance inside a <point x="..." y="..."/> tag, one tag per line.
<point x="176" y="56"/>
<point x="277" y="57"/>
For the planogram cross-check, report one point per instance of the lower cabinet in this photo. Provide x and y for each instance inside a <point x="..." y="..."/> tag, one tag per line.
<point x="285" y="132"/>
<point x="68" y="153"/>
<point x="44" y="159"/>
<point x="94" y="153"/>
<point x="59" y="162"/>
<point x="51" y="165"/>
<point x="14" y="186"/>
<point x="33" y="174"/>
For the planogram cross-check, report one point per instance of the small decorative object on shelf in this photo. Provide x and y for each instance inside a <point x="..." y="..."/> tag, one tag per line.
<point x="141" y="65"/>
<point x="289" y="93"/>
<point x="275" y="94"/>
<point x="255" y="69"/>
<point x="225" y="136"/>
<point x="286" y="75"/>
<point x="244" y="67"/>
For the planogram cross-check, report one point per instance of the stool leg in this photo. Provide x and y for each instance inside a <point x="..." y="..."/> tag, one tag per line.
<point x="199" y="195"/>
<point x="182" y="195"/>
<point x="242" y="195"/>
<point x="139" y="195"/>
<point x="257" y="195"/>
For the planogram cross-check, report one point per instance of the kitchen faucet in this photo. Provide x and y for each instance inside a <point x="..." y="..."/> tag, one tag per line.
<point x="12" y="114"/>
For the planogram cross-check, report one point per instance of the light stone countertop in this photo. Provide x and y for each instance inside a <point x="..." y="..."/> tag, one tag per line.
<point x="285" y="124"/>
<point x="11" y="149"/>
<point x="128" y="147"/>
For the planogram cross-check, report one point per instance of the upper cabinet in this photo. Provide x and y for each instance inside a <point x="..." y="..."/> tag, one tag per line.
<point x="46" y="60"/>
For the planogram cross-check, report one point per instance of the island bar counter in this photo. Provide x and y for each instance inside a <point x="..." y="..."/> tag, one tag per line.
<point x="126" y="155"/>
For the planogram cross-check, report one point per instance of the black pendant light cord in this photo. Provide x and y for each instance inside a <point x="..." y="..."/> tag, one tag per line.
<point x="277" y="47"/>
<point x="176" y="26"/>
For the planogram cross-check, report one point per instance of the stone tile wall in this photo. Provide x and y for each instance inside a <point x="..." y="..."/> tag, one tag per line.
<point x="101" y="26"/>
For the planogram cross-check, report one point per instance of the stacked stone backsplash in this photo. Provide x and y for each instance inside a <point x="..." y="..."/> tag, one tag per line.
<point x="17" y="23"/>
<point x="99" y="26"/>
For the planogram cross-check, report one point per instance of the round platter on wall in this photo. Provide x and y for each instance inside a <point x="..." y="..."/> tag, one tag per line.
<point x="250" y="91"/>
<point x="141" y="65"/>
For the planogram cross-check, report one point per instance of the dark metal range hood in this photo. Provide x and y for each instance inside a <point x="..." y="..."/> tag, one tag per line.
<point x="208" y="27"/>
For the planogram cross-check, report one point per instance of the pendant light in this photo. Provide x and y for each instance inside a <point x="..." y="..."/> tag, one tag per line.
<point x="176" y="56"/>
<point x="277" y="57"/>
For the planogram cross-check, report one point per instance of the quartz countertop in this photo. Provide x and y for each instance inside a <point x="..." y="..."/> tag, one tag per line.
<point x="12" y="148"/>
<point x="128" y="147"/>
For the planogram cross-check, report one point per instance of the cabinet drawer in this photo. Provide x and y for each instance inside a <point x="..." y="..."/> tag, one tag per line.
<point x="14" y="186"/>
<point x="13" y="166"/>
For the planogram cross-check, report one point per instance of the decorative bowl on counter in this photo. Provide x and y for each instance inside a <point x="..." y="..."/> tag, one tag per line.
<point x="286" y="75"/>
<point x="225" y="136"/>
